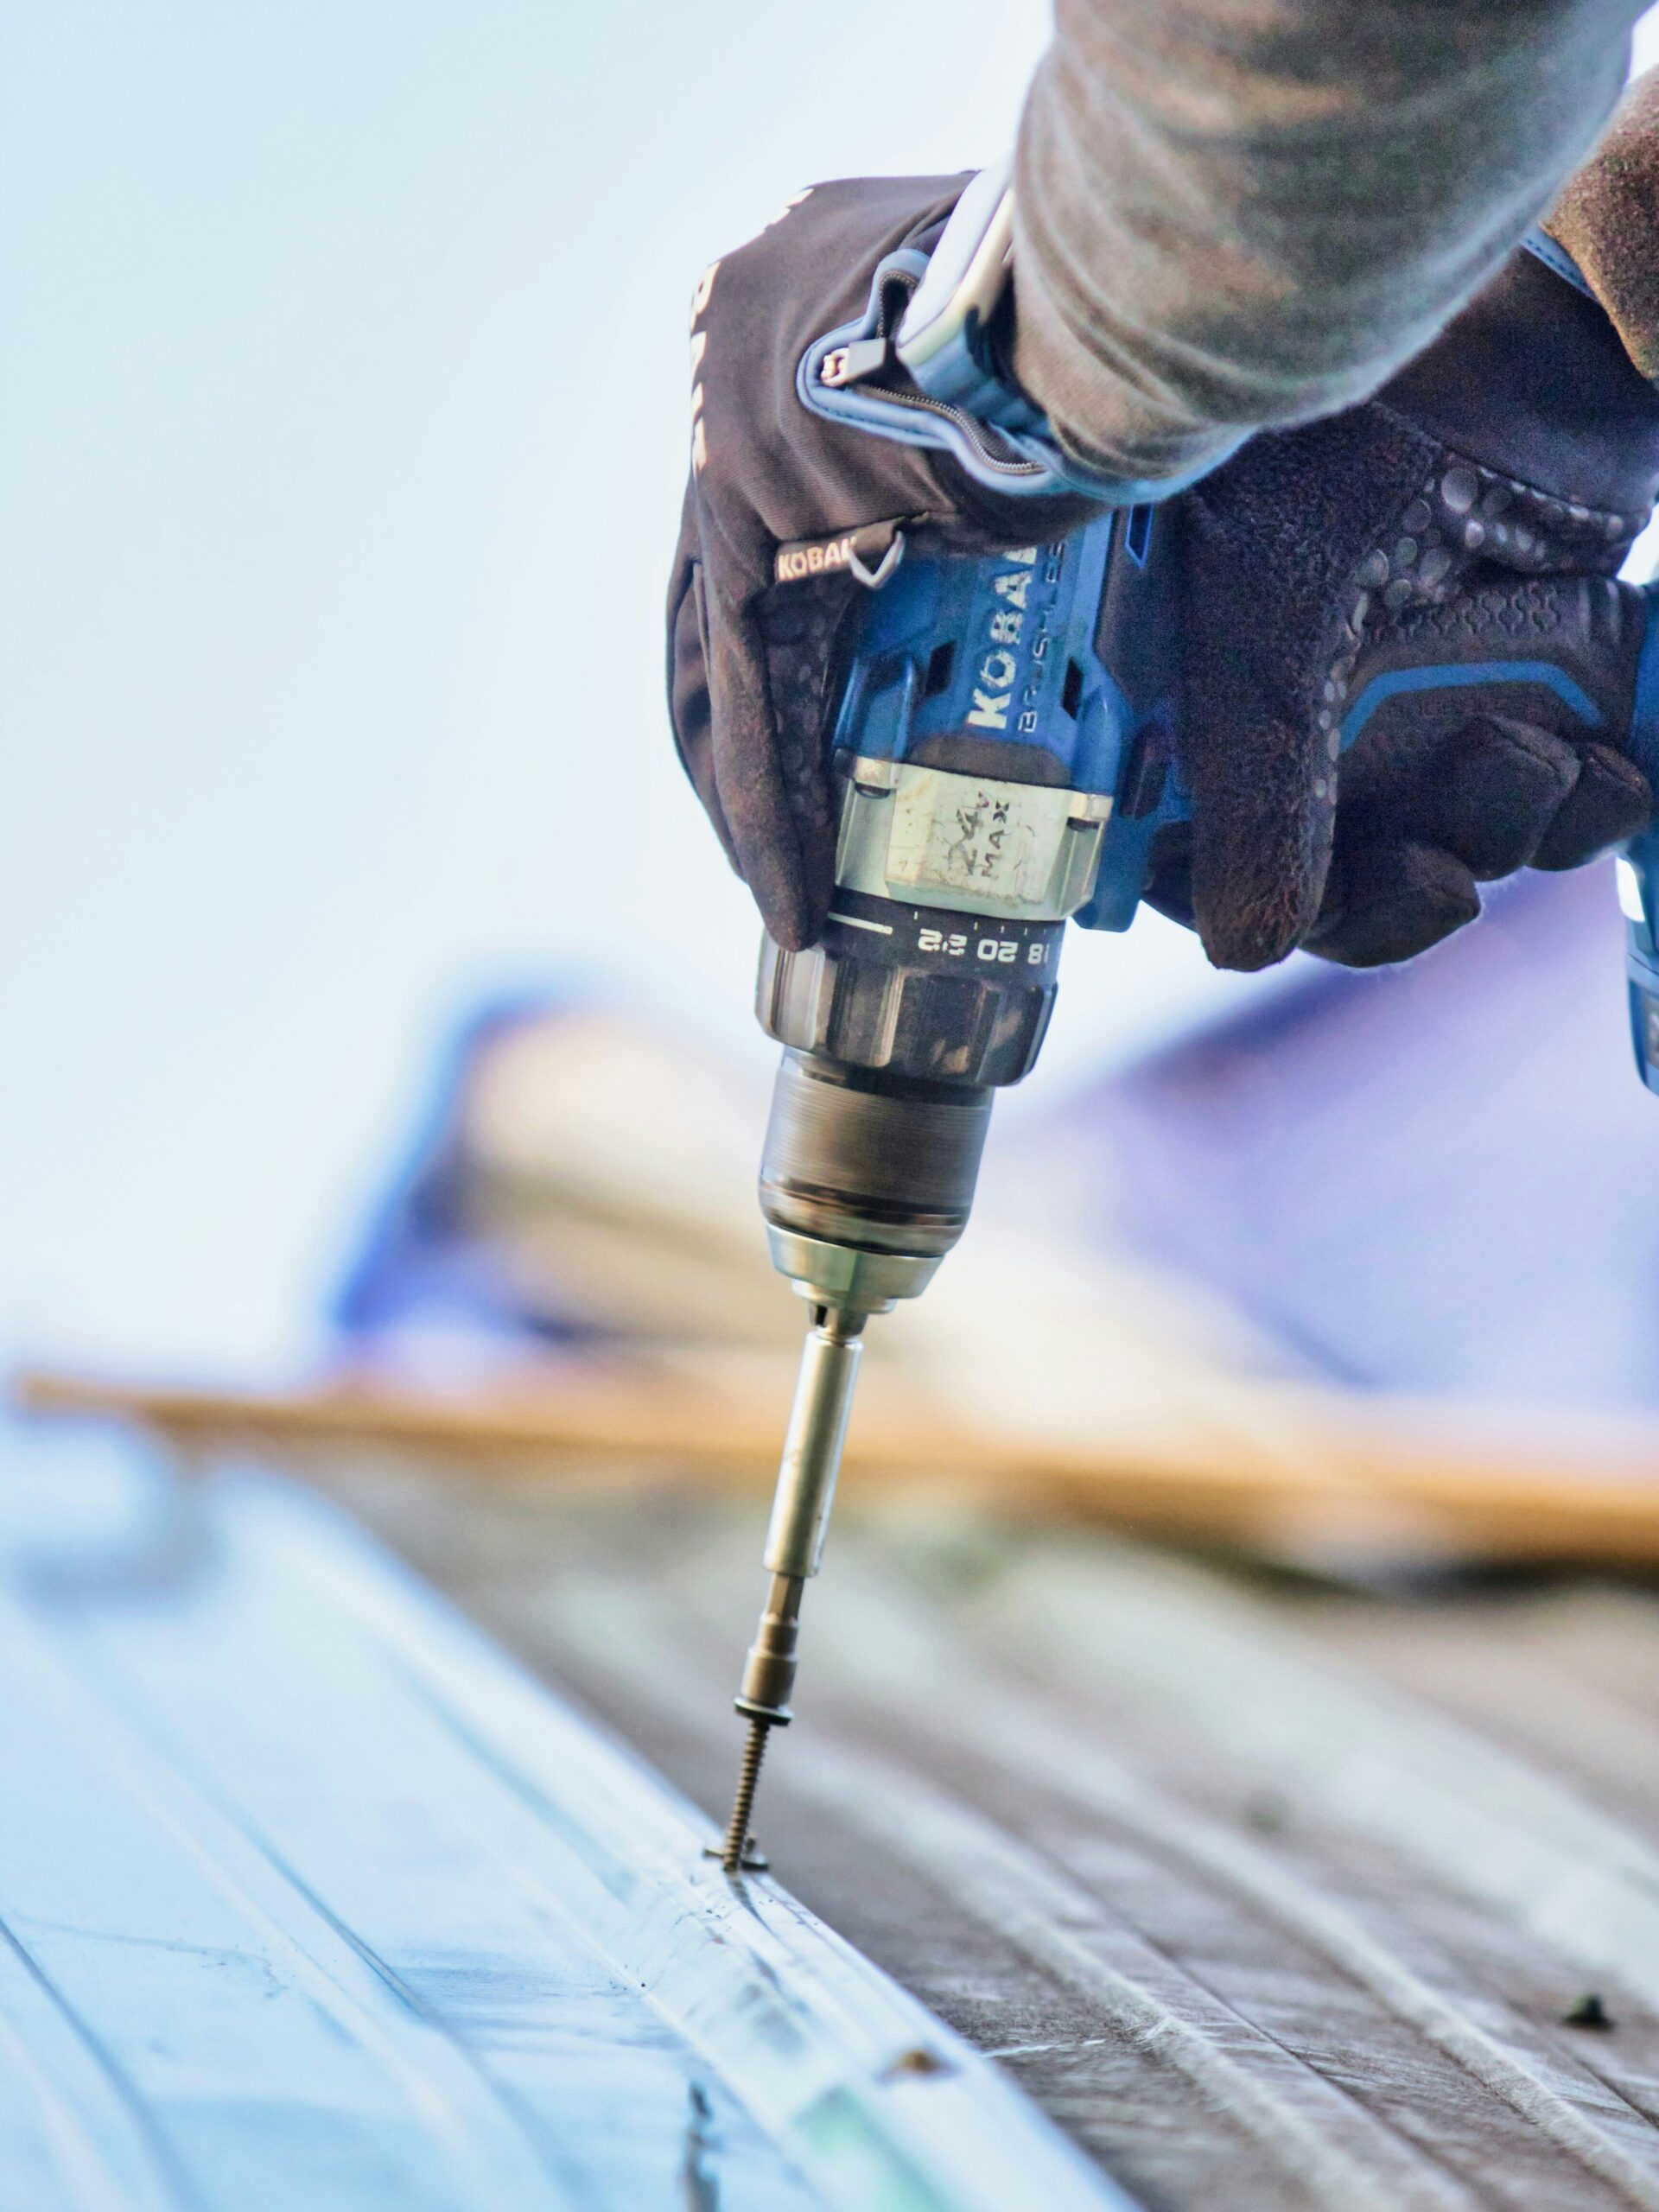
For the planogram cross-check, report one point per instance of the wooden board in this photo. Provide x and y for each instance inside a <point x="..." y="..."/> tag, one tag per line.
<point x="1302" y="1476"/>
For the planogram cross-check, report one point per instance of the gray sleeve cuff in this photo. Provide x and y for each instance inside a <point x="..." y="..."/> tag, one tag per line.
<point x="1228" y="219"/>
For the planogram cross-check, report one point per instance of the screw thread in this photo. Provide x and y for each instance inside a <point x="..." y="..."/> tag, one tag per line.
<point x="748" y="1777"/>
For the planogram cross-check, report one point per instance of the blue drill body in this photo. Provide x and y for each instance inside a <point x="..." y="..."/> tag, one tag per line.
<point x="1063" y="666"/>
<point x="1064" y="658"/>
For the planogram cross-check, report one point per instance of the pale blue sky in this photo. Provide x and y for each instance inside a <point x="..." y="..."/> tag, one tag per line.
<point x="344" y="376"/>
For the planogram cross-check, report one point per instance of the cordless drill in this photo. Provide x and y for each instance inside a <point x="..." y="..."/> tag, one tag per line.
<point x="1004" y="753"/>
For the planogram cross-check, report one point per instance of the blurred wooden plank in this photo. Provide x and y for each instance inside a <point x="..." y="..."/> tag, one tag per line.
<point x="1293" y="1472"/>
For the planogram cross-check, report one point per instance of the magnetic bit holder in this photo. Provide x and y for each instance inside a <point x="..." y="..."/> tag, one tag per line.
<point x="800" y="1517"/>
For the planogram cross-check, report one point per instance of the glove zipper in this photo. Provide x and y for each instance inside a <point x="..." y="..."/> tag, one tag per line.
<point x="972" y="429"/>
<point x="842" y="367"/>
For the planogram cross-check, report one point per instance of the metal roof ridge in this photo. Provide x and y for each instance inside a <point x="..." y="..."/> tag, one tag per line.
<point x="408" y="1788"/>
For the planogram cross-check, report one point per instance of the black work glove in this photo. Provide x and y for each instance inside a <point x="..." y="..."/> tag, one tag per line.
<point x="1488" y="494"/>
<point x="782" y="511"/>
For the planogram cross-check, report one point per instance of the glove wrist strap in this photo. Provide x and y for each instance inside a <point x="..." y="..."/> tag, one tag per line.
<point x="935" y="381"/>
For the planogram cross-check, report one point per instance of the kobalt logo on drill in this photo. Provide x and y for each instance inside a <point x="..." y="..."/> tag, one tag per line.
<point x="998" y="674"/>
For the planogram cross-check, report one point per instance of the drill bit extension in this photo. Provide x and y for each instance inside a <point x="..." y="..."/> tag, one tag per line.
<point x="800" y="1516"/>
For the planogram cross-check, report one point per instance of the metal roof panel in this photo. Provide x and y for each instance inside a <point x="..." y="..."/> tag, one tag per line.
<point x="312" y="1899"/>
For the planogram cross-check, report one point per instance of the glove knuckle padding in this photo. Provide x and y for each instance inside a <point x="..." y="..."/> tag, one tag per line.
<point x="1502" y="788"/>
<point x="1390" y="903"/>
<point x="1346" y="566"/>
<point x="1610" y="801"/>
<point x="1505" y="783"/>
<point x="1487" y="792"/>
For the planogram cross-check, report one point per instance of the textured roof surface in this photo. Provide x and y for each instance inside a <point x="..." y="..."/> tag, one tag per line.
<point x="1276" y="1896"/>
<point x="309" y="1898"/>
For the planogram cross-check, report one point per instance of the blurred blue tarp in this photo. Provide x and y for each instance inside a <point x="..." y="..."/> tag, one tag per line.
<point x="1438" y="1178"/>
<point x="427" y="1267"/>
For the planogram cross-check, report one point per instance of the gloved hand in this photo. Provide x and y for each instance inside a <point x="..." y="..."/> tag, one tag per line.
<point x="785" y="513"/>
<point x="1488" y="493"/>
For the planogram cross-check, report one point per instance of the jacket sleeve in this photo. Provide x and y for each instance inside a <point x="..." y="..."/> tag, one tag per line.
<point x="1233" y="213"/>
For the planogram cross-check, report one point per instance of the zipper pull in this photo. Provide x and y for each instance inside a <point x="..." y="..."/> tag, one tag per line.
<point x="855" y="363"/>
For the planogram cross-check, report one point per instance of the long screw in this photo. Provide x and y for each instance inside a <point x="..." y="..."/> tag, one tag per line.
<point x="800" y="1513"/>
<point x="748" y="1778"/>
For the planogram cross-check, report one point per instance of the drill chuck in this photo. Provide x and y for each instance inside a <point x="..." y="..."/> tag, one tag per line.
<point x="898" y="1028"/>
<point x="920" y="993"/>
<point x="885" y="1164"/>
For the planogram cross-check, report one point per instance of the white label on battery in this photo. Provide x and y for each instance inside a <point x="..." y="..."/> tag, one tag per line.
<point x="960" y="833"/>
